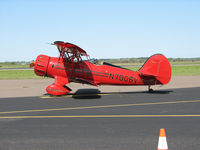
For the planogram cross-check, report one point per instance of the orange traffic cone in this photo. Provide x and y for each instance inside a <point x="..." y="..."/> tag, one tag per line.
<point x="162" y="141"/>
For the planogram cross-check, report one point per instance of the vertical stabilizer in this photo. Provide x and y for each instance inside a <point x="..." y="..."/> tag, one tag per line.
<point x="157" y="66"/>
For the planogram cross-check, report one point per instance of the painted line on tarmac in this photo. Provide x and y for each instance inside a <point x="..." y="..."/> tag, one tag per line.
<point x="99" y="116"/>
<point x="96" y="107"/>
<point x="76" y="95"/>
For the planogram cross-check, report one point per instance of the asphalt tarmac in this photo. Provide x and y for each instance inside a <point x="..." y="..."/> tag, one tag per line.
<point x="91" y="120"/>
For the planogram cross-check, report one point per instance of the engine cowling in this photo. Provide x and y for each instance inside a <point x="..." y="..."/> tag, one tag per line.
<point x="41" y="65"/>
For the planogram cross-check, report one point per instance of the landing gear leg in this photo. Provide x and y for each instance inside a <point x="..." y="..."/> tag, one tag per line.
<point x="149" y="89"/>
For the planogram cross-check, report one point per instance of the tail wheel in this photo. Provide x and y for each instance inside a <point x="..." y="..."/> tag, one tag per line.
<point x="150" y="90"/>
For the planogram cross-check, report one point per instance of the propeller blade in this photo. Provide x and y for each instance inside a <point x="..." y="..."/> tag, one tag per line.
<point x="32" y="64"/>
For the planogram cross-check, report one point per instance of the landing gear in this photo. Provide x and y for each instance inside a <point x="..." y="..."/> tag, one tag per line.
<point x="149" y="89"/>
<point x="57" y="90"/>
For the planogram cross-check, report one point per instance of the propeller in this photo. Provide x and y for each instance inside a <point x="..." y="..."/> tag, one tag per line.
<point x="32" y="64"/>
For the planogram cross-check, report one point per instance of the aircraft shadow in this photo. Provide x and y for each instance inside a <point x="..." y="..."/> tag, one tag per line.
<point x="97" y="94"/>
<point x="87" y="94"/>
<point x="160" y="92"/>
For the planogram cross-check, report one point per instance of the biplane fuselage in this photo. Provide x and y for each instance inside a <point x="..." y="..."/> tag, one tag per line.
<point x="156" y="70"/>
<point x="87" y="72"/>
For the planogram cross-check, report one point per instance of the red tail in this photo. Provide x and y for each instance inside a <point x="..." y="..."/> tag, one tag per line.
<point x="157" y="66"/>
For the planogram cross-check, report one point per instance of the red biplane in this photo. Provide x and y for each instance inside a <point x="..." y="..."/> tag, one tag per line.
<point x="71" y="67"/>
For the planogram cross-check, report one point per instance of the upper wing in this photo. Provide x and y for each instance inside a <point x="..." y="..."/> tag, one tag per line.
<point x="65" y="47"/>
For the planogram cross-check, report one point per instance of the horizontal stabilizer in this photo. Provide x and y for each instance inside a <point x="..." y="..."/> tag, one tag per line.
<point x="146" y="74"/>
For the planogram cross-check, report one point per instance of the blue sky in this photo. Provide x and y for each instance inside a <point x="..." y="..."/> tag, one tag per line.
<point x="105" y="28"/>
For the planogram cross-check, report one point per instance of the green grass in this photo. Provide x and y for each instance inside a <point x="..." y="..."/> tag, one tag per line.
<point x="133" y="68"/>
<point x="18" y="74"/>
<point x="185" y="63"/>
<point x="13" y="65"/>
<point x="186" y="70"/>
